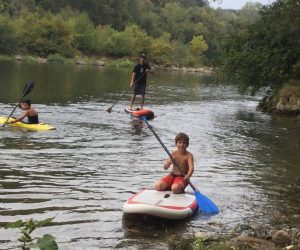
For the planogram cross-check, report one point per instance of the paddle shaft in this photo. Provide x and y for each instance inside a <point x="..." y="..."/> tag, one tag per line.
<point x="170" y="155"/>
<point x="125" y="92"/>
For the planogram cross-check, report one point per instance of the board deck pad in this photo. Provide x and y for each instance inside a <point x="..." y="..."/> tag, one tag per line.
<point x="153" y="197"/>
<point x="164" y="204"/>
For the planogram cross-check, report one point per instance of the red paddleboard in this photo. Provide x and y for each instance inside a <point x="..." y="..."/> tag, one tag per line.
<point x="139" y="113"/>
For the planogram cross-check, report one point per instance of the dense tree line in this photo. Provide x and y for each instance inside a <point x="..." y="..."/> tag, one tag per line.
<point x="267" y="52"/>
<point x="182" y="32"/>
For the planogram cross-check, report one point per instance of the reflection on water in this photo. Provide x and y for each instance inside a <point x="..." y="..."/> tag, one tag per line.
<point x="83" y="172"/>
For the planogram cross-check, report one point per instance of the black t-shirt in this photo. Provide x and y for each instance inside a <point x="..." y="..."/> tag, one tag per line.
<point x="140" y="75"/>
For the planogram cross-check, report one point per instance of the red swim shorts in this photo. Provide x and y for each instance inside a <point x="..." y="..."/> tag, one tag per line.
<point x="170" y="180"/>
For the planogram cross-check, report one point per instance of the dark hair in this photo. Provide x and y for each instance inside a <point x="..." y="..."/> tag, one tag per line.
<point x="28" y="102"/>
<point x="143" y="56"/>
<point x="182" y="137"/>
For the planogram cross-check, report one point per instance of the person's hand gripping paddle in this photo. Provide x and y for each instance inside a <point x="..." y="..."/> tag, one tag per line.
<point x="205" y="204"/>
<point x="27" y="89"/>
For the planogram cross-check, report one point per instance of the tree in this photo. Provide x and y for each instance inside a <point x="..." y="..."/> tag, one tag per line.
<point x="266" y="53"/>
<point x="141" y="41"/>
<point x="161" y="52"/>
<point x="198" y="45"/>
<point x="86" y="36"/>
<point x="9" y="39"/>
<point x="120" y="44"/>
<point x="250" y="13"/>
<point x="44" y="35"/>
<point x="122" y="27"/>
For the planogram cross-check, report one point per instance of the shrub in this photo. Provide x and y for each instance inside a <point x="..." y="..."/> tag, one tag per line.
<point x="120" y="44"/>
<point x="48" y="34"/>
<point x="85" y="34"/>
<point x="9" y="40"/>
<point x="161" y="52"/>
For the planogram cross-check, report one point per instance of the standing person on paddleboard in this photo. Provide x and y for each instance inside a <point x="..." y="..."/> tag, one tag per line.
<point x="139" y="80"/>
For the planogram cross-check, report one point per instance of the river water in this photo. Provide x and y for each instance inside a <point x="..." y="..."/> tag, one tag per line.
<point x="83" y="172"/>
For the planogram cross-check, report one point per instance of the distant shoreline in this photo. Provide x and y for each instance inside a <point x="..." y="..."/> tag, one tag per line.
<point x="93" y="61"/>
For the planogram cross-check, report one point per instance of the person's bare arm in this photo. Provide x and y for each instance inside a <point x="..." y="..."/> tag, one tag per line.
<point x="19" y="118"/>
<point x="168" y="163"/>
<point x="191" y="166"/>
<point x="150" y="70"/>
<point x="132" y="79"/>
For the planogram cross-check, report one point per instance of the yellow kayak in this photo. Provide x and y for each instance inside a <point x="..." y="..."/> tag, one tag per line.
<point x="33" y="127"/>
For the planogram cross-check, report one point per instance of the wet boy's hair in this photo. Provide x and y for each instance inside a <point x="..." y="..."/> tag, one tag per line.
<point x="182" y="137"/>
<point x="28" y="102"/>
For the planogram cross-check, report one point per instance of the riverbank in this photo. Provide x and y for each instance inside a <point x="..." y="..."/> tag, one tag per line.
<point x="246" y="237"/>
<point x="285" y="100"/>
<point x="100" y="62"/>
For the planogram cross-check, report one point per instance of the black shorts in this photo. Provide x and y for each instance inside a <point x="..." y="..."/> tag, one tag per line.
<point x="139" y="89"/>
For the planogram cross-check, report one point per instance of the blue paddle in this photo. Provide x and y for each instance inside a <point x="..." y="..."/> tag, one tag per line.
<point x="205" y="204"/>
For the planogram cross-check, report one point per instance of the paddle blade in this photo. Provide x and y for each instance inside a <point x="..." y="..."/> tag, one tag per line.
<point x="28" y="88"/>
<point x="205" y="204"/>
<point x="109" y="110"/>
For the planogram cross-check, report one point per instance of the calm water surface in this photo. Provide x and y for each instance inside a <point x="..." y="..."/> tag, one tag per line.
<point x="82" y="173"/>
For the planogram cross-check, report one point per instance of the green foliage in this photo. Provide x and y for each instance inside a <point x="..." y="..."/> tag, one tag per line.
<point x="47" y="242"/>
<point x="141" y="41"/>
<point x="120" y="44"/>
<point x="161" y="52"/>
<point x="250" y="13"/>
<point x="56" y="58"/>
<point x="44" y="35"/>
<point x="9" y="40"/>
<point x="198" y="45"/>
<point x="201" y="244"/>
<point x="86" y="36"/>
<point x="183" y="56"/>
<point x="119" y="28"/>
<point x="104" y="33"/>
<point x="266" y="53"/>
<point x="120" y="63"/>
<point x="16" y="224"/>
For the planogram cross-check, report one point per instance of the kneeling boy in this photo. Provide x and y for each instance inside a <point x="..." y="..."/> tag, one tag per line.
<point x="175" y="181"/>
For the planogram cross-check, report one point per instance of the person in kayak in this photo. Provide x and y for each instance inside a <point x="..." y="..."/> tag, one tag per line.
<point x="30" y="113"/>
<point x="139" y="80"/>
<point x="175" y="181"/>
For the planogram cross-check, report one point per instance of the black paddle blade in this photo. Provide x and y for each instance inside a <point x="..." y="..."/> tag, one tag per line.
<point x="28" y="87"/>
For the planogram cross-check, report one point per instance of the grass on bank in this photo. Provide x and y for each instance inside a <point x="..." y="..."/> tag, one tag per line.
<point x="59" y="59"/>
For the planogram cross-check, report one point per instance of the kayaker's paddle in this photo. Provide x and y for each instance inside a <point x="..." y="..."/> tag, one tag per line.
<point x="109" y="110"/>
<point x="27" y="89"/>
<point x="205" y="204"/>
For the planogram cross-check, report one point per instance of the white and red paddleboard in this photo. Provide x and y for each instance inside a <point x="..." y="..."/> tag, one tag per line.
<point x="139" y="113"/>
<point x="164" y="204"/>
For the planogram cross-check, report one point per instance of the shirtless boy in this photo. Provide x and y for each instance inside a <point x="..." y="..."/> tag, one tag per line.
<point x="30" y="113"/>
<point x="175" y="181"/>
